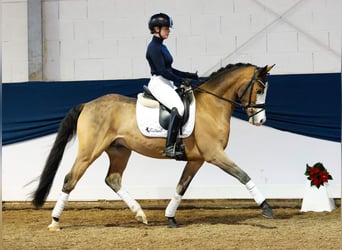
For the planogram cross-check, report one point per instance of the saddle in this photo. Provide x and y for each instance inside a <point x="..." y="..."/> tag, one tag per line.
<point x="147" y="99"/>
<point x="153" y="117"/>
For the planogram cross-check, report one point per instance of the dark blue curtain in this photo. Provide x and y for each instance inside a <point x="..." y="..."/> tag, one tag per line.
<point x="305" y="104"/>
<point x="35" y="109"/>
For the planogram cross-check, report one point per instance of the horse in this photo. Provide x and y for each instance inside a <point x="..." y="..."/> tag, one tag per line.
<point x="102" y="126"/>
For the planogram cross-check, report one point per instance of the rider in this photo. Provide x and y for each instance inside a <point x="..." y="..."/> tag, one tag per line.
<point x="165" y="79"/>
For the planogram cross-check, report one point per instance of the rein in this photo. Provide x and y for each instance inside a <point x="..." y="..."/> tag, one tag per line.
<point x="249" y="105"/>
<point x="219" y="97"/>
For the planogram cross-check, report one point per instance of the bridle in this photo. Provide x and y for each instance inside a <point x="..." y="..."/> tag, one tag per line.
<point x="260" y="106"/>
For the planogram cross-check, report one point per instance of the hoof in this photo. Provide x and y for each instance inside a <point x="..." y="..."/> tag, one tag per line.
<point x="266" y="210"/>
<point x="172" y="222"/>
<point x="141" y="217"/>
<point x="54" y="226"/>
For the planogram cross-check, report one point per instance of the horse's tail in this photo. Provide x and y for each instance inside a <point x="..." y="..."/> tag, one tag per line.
<point x="65" y="133"/>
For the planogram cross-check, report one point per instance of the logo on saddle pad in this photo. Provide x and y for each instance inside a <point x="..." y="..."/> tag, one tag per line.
<point x="153" y="118"/>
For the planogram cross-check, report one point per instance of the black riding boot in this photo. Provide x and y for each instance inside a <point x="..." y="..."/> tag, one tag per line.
<point x="172" y="133"/>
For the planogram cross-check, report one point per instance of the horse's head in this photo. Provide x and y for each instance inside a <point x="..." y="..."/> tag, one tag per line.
<point x="252" y="95"/>
<point x="240" y="84"/>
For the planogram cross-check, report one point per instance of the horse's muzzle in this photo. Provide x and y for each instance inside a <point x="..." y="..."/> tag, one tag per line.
<point x="257" y="117"/>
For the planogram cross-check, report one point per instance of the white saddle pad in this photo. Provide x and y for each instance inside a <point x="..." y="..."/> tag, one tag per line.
<point x="148" y="121"/>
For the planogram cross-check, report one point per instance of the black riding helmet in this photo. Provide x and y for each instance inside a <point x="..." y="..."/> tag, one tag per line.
<point x="159" y="20"/>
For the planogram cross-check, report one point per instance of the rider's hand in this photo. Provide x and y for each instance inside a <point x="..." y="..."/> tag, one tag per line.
<point x="193" y="75"/>
<point x="187" y="82"/>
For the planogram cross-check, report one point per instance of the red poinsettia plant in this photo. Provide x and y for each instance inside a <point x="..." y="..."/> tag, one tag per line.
<point x="317" y="174"/>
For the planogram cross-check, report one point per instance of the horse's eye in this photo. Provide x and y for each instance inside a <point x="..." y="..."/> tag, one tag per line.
<point x="259" y="92"/>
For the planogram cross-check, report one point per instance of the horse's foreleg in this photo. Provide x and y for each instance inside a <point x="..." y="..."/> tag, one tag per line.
<point x="189" y="172"/>
<point x="223" y="162"/>
<point x="118" y="157"/>
<point x="133" y="205"/>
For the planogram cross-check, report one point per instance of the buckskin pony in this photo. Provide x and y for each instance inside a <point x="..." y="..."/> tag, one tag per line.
<point x="108" y="124"/>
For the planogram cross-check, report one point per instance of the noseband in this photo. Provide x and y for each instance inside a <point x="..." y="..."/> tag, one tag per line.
<point x="250" y="85"/>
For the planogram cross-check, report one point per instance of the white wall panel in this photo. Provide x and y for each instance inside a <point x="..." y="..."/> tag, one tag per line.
<point x="139" y="66"/>
<point x="117" y="68"/>
<point x="67" y="69"/>
<point x="131" y="47"/>
<point x="313" y="41"/>
<point x="14" y="41"/>
<point x="327" y="15"/>
<point x="95" y="48"/>
<point x="88" y="30"/>
<point x="324" y="62"/>
<point x="335" y="38"/>
<point x="182" y="27"/>
<point x="208" y="25"/>
<point x="73" y="9"/>
<point x="216" y="44"/>
<point x="286" y="63"/>
<point x="282" y="42"/>
<point x="217" y="7"/>
<point x="73" y="50"/>
<point x="236" y="23"/>
<point x="190" y="46"/>
<point x="101" y="10"/>
<point x="133" y="9"/>
<point x="200" y="63"/>
<point x="66" y="30"/>
<point x="251" y="44"/>
<point x="246" y="6"/>
<point x="111" y="29"/>
<point x="89" y="69"/>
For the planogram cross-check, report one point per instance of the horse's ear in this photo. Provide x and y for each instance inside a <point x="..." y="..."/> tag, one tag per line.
<point x="263" y="71"/>
<point x="268" y="68"/>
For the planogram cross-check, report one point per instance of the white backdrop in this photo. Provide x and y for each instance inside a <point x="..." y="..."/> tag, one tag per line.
<point x="275" y="160"/>
<point x="107" y="39"/>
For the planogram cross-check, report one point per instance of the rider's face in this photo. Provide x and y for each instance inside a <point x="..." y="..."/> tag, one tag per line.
<point x="164" y="32"/>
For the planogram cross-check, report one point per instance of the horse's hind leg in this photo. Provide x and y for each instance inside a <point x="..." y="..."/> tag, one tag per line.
<point x="188" y="174"/>
<point x="118" y="157"/>
<point x="88" y="152"/>
<point x="70" y="181"/>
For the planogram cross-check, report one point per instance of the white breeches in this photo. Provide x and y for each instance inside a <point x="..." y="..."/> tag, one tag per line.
<point x="164" y="91"/>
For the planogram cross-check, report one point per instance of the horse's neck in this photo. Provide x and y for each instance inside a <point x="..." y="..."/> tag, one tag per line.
<point x="229" y="85"/>
<point x="216" y="100"/>
<point x="226" y="88"/>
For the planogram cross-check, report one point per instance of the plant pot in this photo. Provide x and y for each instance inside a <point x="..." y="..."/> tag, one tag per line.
<point x="317" y="199"/>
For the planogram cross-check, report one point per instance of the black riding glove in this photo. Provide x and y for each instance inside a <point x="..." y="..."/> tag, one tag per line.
<point x="191" y="82"/>
<point x="193" y="76"/>
<point x="187" y="82"/>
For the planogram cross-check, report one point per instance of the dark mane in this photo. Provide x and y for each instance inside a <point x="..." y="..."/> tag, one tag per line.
<point x="229" y="67"/>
